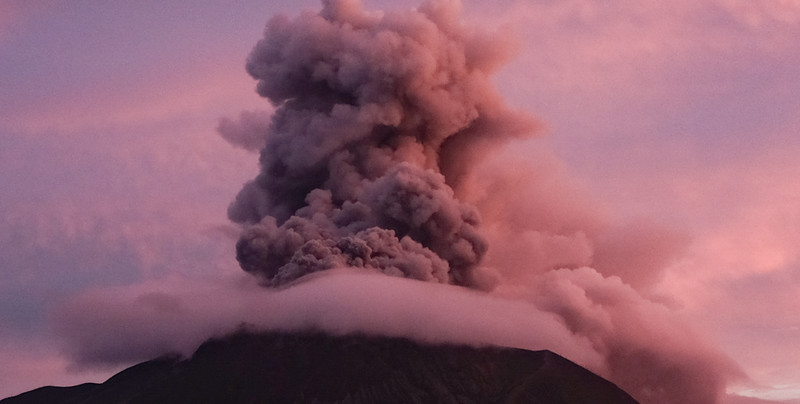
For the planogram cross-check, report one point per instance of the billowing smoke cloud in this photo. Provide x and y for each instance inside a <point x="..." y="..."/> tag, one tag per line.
<point x="248" y="132"/>
<point x="366" y="167"/>
<point x="553" y="248"/>
<point x="378" y="118"/>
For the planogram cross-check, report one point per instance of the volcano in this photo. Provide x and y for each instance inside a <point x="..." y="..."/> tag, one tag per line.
<point x="249" y="367"/>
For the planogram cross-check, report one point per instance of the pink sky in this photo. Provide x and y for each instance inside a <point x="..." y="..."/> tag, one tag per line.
<point x="677" y="119"/>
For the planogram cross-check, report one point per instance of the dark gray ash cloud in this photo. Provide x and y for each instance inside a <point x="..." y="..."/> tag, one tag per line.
<point x="378" y="118"/>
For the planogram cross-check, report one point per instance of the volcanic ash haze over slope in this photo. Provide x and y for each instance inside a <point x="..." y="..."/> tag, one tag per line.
<point x="385" y="152"/>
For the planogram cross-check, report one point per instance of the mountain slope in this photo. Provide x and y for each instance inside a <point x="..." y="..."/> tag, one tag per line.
<point x="307" y="368"/>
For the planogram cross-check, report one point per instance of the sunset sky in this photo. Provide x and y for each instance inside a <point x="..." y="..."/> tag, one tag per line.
<point x="673" y="124"/>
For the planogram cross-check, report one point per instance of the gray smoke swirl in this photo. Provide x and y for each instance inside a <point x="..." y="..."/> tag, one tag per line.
<point x="378" y="118"/>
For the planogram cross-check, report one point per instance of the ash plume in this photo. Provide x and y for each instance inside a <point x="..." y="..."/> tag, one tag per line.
<point x="366" y="169"/>
<point x="366" y="163"/>
<point x="378" y="119"/>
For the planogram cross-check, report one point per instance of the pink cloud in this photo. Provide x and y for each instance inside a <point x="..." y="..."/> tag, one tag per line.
<point x="153" y="100"/>
<point x="634" y="334"/>
<point x="134" y="323"/>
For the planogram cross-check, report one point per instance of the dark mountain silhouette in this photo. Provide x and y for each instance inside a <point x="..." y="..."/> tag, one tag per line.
<point x="316" y="368"/>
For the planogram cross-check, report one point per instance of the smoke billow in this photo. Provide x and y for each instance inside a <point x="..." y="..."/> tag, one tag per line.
<point x="366" y="168"/>
<point x="378" y="119"/>
<point x="248" y="132"/>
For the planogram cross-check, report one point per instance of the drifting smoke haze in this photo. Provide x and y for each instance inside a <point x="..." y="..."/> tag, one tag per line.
<point x="385" y="154"/>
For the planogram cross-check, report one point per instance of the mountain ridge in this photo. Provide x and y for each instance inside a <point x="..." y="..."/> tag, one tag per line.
<point x="315" y="367"/>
